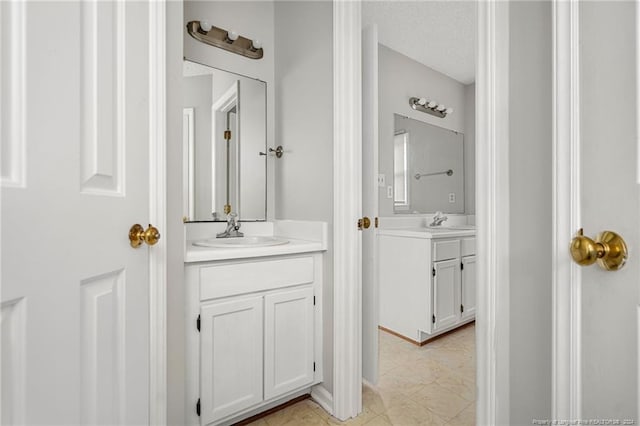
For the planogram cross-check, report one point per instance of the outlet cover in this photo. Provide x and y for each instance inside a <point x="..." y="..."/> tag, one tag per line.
<point x="452" y="197"/>
<point x="389" y="191"/>
<point x="382" y="180"/>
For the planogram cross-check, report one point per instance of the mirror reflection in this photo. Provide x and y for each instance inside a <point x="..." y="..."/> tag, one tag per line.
<point x="224" y="132"/>
<point x="428" y="168"/>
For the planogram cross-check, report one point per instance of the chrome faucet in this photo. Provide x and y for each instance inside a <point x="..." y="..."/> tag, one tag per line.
<point x="233" y="227"/>
<point x="438" y="219"/>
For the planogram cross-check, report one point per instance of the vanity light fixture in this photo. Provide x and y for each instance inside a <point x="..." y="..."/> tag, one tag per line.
<point x="230" y="40"/>
<point x="430" y="107"/>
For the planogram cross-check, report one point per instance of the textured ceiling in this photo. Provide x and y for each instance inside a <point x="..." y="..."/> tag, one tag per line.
<point x="437" y="33"/>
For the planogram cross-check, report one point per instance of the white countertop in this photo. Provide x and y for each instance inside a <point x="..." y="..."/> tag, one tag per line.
<point x="431" y="233"/>
<point x="204" y="254"/>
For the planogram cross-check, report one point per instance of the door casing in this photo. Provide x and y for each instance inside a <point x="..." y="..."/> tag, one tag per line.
<point x="492" y="218"/>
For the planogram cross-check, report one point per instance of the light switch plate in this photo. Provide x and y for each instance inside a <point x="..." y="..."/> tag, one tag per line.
<point x="389" y="191"/>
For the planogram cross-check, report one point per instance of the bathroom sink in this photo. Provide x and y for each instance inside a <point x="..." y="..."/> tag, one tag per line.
<point x="241" y="242"/>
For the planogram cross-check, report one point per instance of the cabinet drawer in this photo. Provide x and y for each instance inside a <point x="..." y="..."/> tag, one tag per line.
<point x="468" y="246"/>
<point x="247" y="277"/>
<point x="443" y="250"/>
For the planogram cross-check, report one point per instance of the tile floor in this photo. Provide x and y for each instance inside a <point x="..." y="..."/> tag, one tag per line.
<point x="429" y="385"/>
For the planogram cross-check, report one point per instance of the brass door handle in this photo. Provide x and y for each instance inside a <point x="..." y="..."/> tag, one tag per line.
<point x="365" y="223"/>
<point x="137" y="235"/>
<point x="609" y="250"/>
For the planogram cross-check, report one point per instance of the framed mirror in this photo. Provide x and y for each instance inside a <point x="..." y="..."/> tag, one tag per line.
<point x="428" y="168"/>
<point x="224" y="141"/>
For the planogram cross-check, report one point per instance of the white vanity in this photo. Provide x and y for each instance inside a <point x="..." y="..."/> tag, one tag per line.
<point x="254" y="318"/>
<point x="427" y="280"/>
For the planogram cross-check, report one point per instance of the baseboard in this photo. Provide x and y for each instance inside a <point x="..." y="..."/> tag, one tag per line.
<point x="323" y="397"/>
<point x="367" y="383"/>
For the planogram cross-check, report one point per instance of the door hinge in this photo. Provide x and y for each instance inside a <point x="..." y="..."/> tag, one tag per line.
<point x="314" y="301"/>
<point x="227" y="134"/>
<point x="314" y="366"/>
<point x="433" y="272"/>
<point x="433" y="318"/>
<point x="461" y="308"/>
<point x="198" y="323"/>
<point x="198" y="407"/>
<point x="461" y="266"/>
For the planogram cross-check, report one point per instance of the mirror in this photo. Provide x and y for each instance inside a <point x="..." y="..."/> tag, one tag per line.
<point x="428" y="168"/>
<point x="224" y="141"/>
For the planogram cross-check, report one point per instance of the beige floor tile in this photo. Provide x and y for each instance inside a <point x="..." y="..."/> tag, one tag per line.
<point x="458" y="385"/>
<point x="441" y="401"/>
<point x="382" y="420"/>
<point x="409" y="412"/>
<point x="301" y="413"/>
<point x="466" y="418"/>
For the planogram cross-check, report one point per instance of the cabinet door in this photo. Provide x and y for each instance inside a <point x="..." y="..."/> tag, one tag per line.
<point x="288" y="341"/>
<point x="446" y="293"/>
<point x="230" y="357"/>
<point x="468" y="287"/>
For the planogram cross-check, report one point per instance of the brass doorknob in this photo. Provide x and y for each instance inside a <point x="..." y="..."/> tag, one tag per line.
<point x="609" y="250"/>
<point x="365" y="223"/>
<point x="137" y="235"/>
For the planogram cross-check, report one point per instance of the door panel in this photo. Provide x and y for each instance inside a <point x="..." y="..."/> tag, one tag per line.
<point x="609" y="201"/>
<point x="288" y="341"/>
<point x="468" y="287"/>
<point x="230" y="357"/>
<point x="446" y="293"/>
<point x="76" y="182"/>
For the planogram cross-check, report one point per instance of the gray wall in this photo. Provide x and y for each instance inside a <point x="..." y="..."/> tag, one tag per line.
<point x="470" y="148"/>
<point x="304" y="127"/>
<point x="530" y="156"/>
<point x="399" y="79"/>
<point x="174" y="233"/>
<point x="609" y="201"/>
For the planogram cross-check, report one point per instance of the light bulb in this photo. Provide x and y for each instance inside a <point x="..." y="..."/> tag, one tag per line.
<point x="441" y="108"/>
<point x="448" y="111"/>
<point x="432" y="104"/>
<point x="257" y="44"/>
<point x="205" y="25"/>
<point x="232" y="35"/>
<point x="422" y="101"/>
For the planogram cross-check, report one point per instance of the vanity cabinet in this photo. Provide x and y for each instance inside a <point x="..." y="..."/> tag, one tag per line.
<point x="258" y="334"/>
<point x="427" y="284"/>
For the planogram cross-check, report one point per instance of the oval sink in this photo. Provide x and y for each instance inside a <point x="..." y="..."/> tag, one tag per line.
<point x="241" y="242"/>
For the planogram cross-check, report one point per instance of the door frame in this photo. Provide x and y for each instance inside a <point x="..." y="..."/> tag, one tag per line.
<point x="566" y="293"/>
<point x="158" y="212"/>
<point x="492" y="210"/>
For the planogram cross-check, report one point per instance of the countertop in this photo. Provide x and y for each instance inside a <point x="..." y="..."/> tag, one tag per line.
<point x="204" y="254"/>
<point x="431" y="233"/>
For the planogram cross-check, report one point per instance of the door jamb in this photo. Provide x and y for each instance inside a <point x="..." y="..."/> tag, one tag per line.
<point x="157" y="213"/>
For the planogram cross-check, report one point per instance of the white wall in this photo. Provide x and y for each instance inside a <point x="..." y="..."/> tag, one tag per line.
<point x="399" y="79"/>
<point x="530" y="206"/>
<point x="608" y="146"/>
<point x="304" y="127"/>
<point x="251" y="19"/>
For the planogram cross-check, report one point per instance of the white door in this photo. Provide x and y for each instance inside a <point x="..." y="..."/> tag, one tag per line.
<point x="288" y="341"/>
<point x="446" y="293"/>
<point x="608" y="199"/>
<point x="370" y="290"/>
<point x="75" y="176"/>
<point x="230" y="357"/>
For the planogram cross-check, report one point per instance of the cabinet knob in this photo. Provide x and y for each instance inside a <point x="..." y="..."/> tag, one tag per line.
<point x="608" y="249"/>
